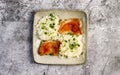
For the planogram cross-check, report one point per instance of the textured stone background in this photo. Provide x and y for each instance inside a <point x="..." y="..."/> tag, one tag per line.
<point x="16" y="21"/>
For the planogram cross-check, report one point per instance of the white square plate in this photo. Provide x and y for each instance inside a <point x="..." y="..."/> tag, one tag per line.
<point x="63" y="14"/>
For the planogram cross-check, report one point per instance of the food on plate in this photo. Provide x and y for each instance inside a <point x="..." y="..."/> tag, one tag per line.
<point x="73" y="26"/>
<point x="71" y="46"/>
<point x="47" y="27"/>
<point x="63" y="37"/>
<point x="49" y="48"/>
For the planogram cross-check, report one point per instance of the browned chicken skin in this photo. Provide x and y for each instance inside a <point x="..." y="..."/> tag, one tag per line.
<point x="73" y="25"/>
<point x="49" y="48"/>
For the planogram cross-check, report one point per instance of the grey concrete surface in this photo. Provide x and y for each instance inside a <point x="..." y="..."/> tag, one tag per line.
<point x="16" y="22"/>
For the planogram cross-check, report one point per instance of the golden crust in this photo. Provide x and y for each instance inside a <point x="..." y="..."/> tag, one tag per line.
<point x="49" y="48"/>
<point x="73" y="25"/>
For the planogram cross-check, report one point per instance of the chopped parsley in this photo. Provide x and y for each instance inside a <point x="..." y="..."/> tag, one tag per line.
<point x="52" y="17"/>
<point x="81" y="53"/>
<point x="53" y="23"/>
<point x="71" y="34"/>
<point x="45" y="32"/>
<point x="43" y="27"/>
<point x="52" y="26"/>
<point x="71" y="46"/>
<point x="74" y="39"/>
<point x="78" y="45"/>
<point x="65" y="40"/>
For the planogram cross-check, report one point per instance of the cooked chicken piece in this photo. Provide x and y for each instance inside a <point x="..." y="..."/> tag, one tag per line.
<point x="73" y="25"/>
<point x="49" y="48"/>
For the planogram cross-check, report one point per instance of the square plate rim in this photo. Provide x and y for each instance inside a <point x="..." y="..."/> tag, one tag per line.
<point x="71" y="10"/>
